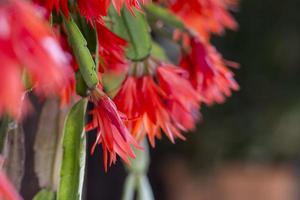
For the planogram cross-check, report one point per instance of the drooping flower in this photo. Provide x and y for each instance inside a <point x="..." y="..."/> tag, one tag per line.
<point x="127" y="99"/>
<point x="183" y="100"/>
<point x="205" y="16"/>
<point x="27" y="43"/>
<point x="155" y="112"/>
<point x="208" y="72"/>
<point x="111" y="50"/>
<point x="112" y="134"/>
<point x="7" y="191"/>
<point x="169" y="105"/>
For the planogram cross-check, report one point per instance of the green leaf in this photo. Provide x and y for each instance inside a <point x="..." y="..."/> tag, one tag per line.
<point x="73" y="162"/>
<point x="112" y="82"/>
<point x="158" y="52"/>
<point x="45" y="195"/>
<point x="135" y="30"/>
<point x="82" y="54"/>
<point x="81" y="87"/>
<point x="26" y="79"/>
<point x="160" y="13"/>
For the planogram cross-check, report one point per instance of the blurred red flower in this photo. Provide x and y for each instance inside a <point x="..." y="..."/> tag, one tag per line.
<point x="58" y="5"/>
<point x="183" y="100"/>
<point x="205" y="16"/>
<point x="27" y="43"/>
<point x="208" y="72"/>
<point x="7" y="190"/>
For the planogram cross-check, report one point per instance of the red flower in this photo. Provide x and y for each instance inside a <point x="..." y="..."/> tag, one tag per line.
<point x="111" y="50"/>
<point x="69" y="89"/>
<point x="127" y="99"/>
<point x="183" y="100"/>
<point x="93" y="9"/>
<point x="169" y="105"/>
<point x="27" y="43"/>
<point x="205" y="16"/>
<point x="208" y="72"/>
<point x="111" y="131"/>
<point x="130" y="4"/>
<point x="155" y="113"/>
<point x="7" y="191"/>
<point x="54" y="4"/>
<point x="129" y="102"/>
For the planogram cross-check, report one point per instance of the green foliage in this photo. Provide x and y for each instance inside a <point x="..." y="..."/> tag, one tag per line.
<point x="3" y="130"/>
<point x="73" y="163"/>
<point x="135" y="30"/>
<point x="157" y="12"/>
<point x="82" y="54"/>
<point x="45" y="195"/>
<point x="81" y="87"/>
<point x="158" y="52"/>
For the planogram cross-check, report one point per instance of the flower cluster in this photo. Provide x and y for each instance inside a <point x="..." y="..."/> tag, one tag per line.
<point x="157" y="97"/>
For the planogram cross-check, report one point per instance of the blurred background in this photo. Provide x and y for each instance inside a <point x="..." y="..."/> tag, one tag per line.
<point x="249" y="147"/>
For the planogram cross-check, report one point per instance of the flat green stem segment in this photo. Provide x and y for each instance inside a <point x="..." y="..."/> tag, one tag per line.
<point x="81" y="87"/>
<point x="159" y="13"/>
<point x="158" y="52"/>
<point x="73" y="163"/>
<point x="82" y="54"/>
<point x="3" y="131"/>
<point x="135" y="30"/>
<point x="45" y="195"/>
<point x="137" y="180"/>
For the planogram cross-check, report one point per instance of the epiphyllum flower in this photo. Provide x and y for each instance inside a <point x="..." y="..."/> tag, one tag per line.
<point x="27" y="43"/>
<point x="111" y="50"/>
<point x="111" y="131"/>
<point x="95" y="9"/>
<point x="7" y="191"/>
<point x="155" y="115"/>
<point x="208" y="72"/>
<point x="183" y="100"/>
<point x="130" y="4"/>
<point x="205" y="16"/>
<point x="169" y="105"/>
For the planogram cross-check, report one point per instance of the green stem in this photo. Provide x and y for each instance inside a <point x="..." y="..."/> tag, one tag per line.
<point x="3" y="131"/>
<point x="137" y="180"/>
